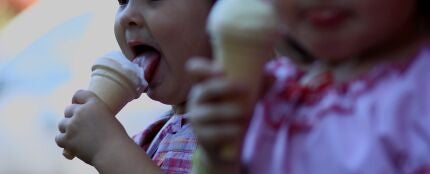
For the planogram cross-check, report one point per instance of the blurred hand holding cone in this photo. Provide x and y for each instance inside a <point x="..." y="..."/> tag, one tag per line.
<point x="243" y="35"/>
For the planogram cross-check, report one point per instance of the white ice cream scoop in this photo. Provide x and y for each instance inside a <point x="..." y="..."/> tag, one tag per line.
<point x="116" y="80"/>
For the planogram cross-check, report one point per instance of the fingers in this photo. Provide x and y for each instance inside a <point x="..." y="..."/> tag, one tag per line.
<point x="214" y="114"/>
<point x="60" y="140"/>
<point x="63" y="124"/>
<point x="214" y="135"/>
<point x="218" y="109"/>
<point x="64" y="138"/>
<point x="220" y="142"/>
<point x="79" y="117"/>
<point x="68" y="155"/>
<point x="82" y="96"/>
<point x="201" y="69"/>
<point x="218" y="125"/>
<point x="217" y="89"/>
<point x="69" y="111"/>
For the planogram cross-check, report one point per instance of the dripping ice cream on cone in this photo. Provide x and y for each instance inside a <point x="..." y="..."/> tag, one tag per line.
<point x="116" y="80"/>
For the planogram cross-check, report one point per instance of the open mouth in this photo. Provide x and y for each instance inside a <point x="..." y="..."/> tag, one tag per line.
<point x="148" y="58"/>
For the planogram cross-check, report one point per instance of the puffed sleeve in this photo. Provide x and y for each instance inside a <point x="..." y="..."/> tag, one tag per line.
<point x="412" y="121"/>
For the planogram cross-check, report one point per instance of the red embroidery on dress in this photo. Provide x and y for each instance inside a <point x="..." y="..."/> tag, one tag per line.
<point x="266" y="115"/>
<point x="295" y="95"/>
<point x="340" y="110"/>
<point x="298" y="127"/>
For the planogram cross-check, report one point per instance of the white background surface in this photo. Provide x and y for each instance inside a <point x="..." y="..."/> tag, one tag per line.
<point x="45" y="56"/>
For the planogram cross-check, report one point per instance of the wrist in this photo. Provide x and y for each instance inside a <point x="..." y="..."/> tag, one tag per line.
<point x="112" y="153"/>
<point x="124" y="157"/>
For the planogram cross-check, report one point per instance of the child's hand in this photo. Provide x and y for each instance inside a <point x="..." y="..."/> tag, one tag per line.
<point x="89" y="129"/>
<point x="218" y="113"/>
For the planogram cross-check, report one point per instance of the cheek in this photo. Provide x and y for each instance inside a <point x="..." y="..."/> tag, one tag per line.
<point x="281" y="8"/>
<point x="286" y="10"/>
<point x="120" y="36"/>
<point x="181" y="37"/>
<point x="117" y="27"/>
<point x="162" y="28"/>
<point x="382" y="19"/>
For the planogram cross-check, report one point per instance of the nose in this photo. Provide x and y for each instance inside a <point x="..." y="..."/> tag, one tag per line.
<point x="130" y="16"/>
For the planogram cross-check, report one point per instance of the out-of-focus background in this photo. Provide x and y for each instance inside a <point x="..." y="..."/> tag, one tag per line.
<point x="46" y="50"/>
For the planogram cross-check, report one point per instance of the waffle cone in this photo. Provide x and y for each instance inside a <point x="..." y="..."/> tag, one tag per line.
<point x="243" y="39"/>
<point x="244" y="60"/>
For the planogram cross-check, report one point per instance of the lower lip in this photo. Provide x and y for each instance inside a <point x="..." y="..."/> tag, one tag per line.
<point x="326" y="17"/>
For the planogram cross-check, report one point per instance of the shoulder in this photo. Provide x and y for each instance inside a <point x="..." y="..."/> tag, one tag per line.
<point x="145" y="137"/>
<point x="404" y="112"/>
<point x="281" y="71"/>
<point x="414" y="83"/>
<point x="175" y="149"/>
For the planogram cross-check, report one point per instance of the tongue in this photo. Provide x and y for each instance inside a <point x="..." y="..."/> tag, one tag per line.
<point x="148" y="61"/>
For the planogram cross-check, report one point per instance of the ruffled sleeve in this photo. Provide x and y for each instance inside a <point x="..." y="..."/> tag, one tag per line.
<point x="418" y="129"/>
<point x="404" y="128"/>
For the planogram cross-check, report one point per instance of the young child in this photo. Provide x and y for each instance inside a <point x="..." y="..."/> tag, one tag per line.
<point x="160" y="36"/>
<point x="363" y="106"/>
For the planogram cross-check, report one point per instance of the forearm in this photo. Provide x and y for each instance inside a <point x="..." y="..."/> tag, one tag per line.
<point x="126" y="158"/>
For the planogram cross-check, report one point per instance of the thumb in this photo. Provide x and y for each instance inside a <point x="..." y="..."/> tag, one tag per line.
<point x="201" y="69"/>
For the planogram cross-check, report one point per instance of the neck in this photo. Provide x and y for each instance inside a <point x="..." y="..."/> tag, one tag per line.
<point x="179" y="108"/>
<point x="399" y="49"/>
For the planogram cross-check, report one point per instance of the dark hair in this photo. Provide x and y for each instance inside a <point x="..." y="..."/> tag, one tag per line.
<point x="423" y="8"/>
<point x="423" y="12"/>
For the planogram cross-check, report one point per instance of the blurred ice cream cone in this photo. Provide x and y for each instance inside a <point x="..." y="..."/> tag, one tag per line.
<point x="244" y="34"/>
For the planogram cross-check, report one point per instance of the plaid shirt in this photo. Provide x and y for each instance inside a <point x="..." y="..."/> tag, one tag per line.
<point x="170" y="142"/>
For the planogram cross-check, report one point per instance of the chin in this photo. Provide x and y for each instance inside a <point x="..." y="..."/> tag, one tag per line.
<point x="331" y="51"/>
<point x="154" y="95"/>
<point x="332" y="56"/>
<point x="164" y="97"/>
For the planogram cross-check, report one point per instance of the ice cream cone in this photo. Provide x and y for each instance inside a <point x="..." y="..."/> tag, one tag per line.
<point x="244" y="34"/>
<point x="243" y="61"/>
<point x="113" y="84"/>
<point x="116" y="81"/>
